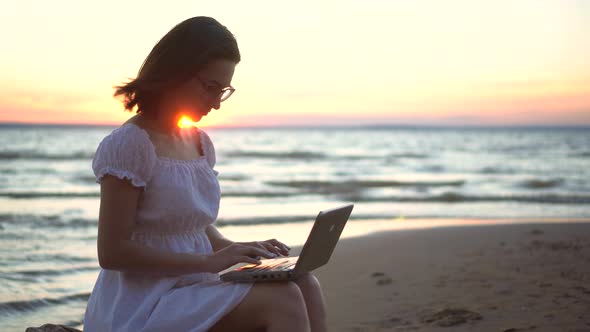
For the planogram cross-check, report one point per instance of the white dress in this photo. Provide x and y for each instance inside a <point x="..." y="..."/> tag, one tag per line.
<point x="179" y="199"/>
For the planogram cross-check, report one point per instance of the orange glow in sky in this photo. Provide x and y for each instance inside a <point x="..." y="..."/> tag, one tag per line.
<point x="431" y="62"/>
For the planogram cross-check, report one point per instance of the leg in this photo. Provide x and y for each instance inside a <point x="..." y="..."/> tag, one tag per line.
<point x="314" y="301"/>
<point x="270" y="307"/>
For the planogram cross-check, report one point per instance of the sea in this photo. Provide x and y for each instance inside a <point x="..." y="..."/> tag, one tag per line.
<point x="274" y="181"/>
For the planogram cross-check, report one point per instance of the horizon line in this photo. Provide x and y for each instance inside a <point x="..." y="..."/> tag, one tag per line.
<point x="304" y="126"/>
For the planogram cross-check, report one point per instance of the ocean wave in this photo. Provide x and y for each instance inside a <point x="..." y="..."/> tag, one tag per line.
<point x="261" y="220"/>
<point x="36" y="304"/>
<point x="580" y="154"/>
<point x="356" y="185"/>
<point x="36" y="194"/>
<point x="288" y="219"/>
<point x="15" y="155"/>
<point x="496" y="170"/>
<point x="276" y="155"/>
<point x="453" y="197"/>
<point x="304" y="155"/>
<point x="11" y="236"/>
<point x="261" y="194"/>
<point x="408" y="155"/>
<point x="57" y="257"/>
<point x="233" y="177"/>
<point x="53" y="221"/>
<point x="541" y="183"/>
<point x="432" y="168"/>
<point x="91" y="179"/>
<point x="59" y="272"/>
<point x="18" y="169"/>
<point x="356" y="157"/>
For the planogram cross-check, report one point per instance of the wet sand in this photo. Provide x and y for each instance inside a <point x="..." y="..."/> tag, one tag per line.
<point x="525" y="277"/>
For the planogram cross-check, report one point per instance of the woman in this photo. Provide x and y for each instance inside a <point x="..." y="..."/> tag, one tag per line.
<point x="159" y="252"/>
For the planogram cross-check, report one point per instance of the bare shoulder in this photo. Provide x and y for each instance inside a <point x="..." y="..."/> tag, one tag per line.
<point x="139" y="122"/>
<point x="136" y="120"/>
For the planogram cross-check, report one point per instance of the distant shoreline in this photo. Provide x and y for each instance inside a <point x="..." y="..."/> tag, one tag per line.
<point x="335" y="127"/>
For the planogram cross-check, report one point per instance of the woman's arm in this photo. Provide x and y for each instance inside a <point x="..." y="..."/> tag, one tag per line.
<point x="116" y="250"/>
<point x="218" y="241"/>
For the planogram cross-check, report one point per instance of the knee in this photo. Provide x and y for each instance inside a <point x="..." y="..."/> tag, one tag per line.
<point x="291" y="300"/>
<point x="309" y="283"/>
<point x="314" y="299"/>
<point x="312" y="291"/>
<point x="294" y="293"/>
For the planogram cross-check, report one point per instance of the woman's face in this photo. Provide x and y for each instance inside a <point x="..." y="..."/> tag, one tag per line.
<point x="202" y="93"/>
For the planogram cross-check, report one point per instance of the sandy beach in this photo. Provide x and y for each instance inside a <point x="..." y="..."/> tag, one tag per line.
<point x="506" y="277"/>
<point x="525" y="277"/>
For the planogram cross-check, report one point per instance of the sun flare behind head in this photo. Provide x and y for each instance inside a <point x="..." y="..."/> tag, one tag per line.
<point x="185" y="122"/>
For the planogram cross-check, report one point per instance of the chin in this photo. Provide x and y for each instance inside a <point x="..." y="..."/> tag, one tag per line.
<point x="196" y="116"/>
<point x="202" y="114"/>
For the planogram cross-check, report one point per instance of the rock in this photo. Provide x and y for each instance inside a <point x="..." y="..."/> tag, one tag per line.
<point x="52" y="328"/>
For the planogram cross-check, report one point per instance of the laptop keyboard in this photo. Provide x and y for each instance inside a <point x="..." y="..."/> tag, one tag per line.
<point x="280" y="264"/>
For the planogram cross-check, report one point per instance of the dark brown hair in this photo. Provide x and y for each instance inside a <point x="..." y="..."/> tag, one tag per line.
<point x="177" y="57"/>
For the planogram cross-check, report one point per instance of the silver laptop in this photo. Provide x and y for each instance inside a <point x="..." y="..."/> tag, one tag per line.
<point x="316" y="252"/>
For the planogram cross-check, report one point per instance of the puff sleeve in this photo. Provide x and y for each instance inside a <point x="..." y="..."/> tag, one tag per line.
<point x="126" y="153"/>
<point x="208" y="150"/>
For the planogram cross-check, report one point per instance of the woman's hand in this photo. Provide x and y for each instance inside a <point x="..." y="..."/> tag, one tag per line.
<point x="273" y="246"/>
<point x="233" y="254"/>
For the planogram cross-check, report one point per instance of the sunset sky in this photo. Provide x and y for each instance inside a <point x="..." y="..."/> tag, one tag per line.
<point x="313" y="62"/>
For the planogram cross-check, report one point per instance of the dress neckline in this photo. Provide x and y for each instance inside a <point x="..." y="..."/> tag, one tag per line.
<point x="180" y="161"/>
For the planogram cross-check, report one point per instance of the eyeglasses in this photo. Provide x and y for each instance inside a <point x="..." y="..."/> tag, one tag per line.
<point x="215" y="91"/>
